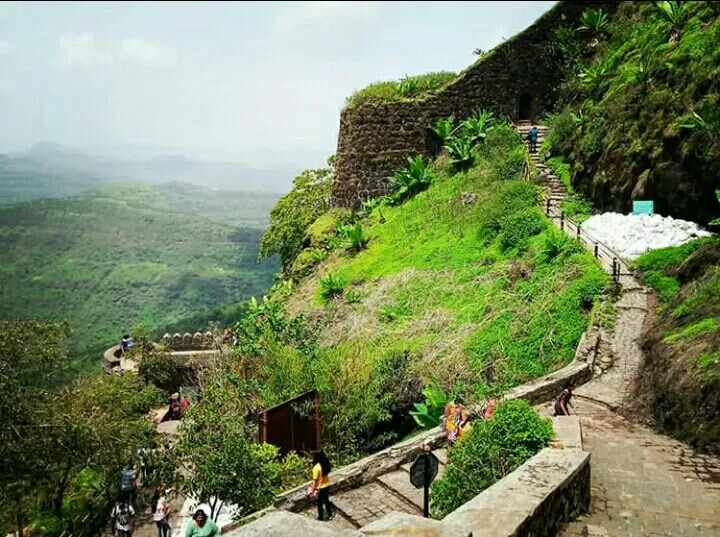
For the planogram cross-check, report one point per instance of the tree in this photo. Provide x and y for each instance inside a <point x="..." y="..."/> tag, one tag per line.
<point x="220" y="462"/>
<point x="295" y="212"/>
<point x="33" y="359"/>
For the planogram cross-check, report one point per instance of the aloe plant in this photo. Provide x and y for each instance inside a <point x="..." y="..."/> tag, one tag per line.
<point x="675" y="13"/>
<point x="594" y="76"/>
<point x="476" y="128"/>
<point x="410" y="180"/>
<point x="460" y="152"/>
<point x="445" y="128"/>
<point x="353" y="236"/>
<point x="594" y="21"/>
<point x="331" y="286"/>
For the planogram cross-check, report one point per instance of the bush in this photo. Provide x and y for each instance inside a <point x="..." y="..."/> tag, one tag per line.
<point x="353" y="236"/>
<point x="331" y="286"/>
<point x="559" y="245"/>
<point x="519" y="227"/>
<point x="410" y="87"/>
<point x="508" y="198"/>
<point x="322" y="230"/>
<point x="427" y="415"/>
<point x="293" y="470"/>
<point x="490" y="451"/>
<point x="460" y="152"/>
<point x="510" y="166"/>
<point x="162" y="370"/>
<point x="407" y="182"/>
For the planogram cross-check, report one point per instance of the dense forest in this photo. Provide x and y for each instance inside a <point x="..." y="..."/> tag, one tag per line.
<point x="113" y="258"/>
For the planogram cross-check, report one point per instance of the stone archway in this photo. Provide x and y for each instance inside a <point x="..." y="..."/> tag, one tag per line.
<point x="525" y="107"/>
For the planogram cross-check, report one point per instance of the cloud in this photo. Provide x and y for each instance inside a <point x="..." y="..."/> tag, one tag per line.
<point x="301" y="15"/>
<point x="137" y="49"/>
<point x="84" y="50"/>
<point x="81" y="50"/>
<point x="6" y="48"/>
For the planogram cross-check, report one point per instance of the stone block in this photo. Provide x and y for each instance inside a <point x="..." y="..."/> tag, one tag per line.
<point x="285" y="524"/>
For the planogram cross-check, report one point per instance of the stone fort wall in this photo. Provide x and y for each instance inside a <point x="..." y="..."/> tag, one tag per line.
<point x="517" y="79"/>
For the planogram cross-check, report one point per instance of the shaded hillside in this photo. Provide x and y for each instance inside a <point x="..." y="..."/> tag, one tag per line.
<point x="108" y="260"/>
<point x="679" y="386"/>
<point x="640" y="115"/>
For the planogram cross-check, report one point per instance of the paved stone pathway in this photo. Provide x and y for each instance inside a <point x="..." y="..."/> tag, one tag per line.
<point x="643" y="483"/>
<point x="389" y="492"/>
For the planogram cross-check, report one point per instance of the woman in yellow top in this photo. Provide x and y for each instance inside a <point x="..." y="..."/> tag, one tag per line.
<point x="320" y="487"/>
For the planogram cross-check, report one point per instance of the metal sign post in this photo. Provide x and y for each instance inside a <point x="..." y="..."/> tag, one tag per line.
<point x="422" y="473"/>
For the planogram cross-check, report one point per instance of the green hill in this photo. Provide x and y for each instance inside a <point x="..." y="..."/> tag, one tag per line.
<point x="116" y="257"/>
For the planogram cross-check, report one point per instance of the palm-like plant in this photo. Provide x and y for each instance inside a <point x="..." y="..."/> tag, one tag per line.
<point x="331" y="286"/>
<point x="594" y="76"/>
<point x="460" y="152"/>
<point x="475" y="129"/>
<point x="410" y="180"/>
<point x="675" y="13"/>
<point x="445" y="128"/>
<point x="594" y="21"/>
<point x="353" y="236"/>
<point x="427" y="414"/>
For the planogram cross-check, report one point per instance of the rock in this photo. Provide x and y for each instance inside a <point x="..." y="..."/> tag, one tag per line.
<point x="597" y="371"/>
<point x="606" y="359"/>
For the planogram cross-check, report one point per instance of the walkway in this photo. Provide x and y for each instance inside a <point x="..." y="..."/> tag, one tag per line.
<point x="389" y="492"/>
<point x="643" y="483"/>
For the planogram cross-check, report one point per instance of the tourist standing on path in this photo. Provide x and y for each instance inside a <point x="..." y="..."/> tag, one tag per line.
<point x="123" y="519"/>
<point x="320" y="486"/>
<point x="201" y="526"/>
<point x="563" y="401"/>
<point x="161" y="512"/>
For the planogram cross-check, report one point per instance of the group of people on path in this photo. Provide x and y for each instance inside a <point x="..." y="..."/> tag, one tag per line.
<point x="455" y="420"/>
<point x="176" y="407"/>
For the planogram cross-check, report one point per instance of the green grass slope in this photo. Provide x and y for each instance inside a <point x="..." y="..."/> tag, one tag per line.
<point x="638" y="115"/>
<point x="679" y="387"/>
<point x="113" y="258"/>
<point x="468" y="278"/>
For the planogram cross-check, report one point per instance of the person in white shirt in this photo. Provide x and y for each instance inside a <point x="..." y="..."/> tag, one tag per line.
<point x="123" y="516"/>
<point x="161" y="512"/>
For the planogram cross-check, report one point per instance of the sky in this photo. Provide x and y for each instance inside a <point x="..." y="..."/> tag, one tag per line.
<point x="256" y="82"/>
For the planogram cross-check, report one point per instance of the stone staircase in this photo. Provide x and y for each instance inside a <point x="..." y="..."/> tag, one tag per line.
<point x="390" y="492"/>
<point x="547" y="177"/>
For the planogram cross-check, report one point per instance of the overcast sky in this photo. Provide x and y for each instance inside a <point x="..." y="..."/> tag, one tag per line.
<point x="258" y="82"/>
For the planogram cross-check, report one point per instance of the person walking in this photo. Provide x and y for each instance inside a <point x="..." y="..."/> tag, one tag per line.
<point x="563" y="401"/>
<point x="320" y="486"/>
<point x="201" y="526"/>
<point x="123" y="519"/>
<point x="128" y="484"/>
<point x="160" y="507"/>
<point x="533" y="137"/>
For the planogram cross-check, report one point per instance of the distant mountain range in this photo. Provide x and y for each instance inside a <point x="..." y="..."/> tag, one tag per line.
<point x="50" y="170"/>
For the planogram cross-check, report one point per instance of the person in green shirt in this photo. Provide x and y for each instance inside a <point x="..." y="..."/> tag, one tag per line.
<point x="201" y="526"/>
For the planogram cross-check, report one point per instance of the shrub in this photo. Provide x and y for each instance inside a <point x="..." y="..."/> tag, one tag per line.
<point x="594" y="21"/>
<point x="427" y="414"/>
<point x="476" y="128"/>
<point x="460" y="152"/>
<point x="318" y="254"/>
<point x="353" y="236"/>
<point x="675" y="14"/>
<point x="407" y="182"/>
<point x="410" y="87"/>
<point x="510" y="165"/>
<point x="445" y="128"/>
<point x="353" y="297"/>
<point x="508" y="198"/>
<point x="331" y="286"/>
<point x="520" y="226"/>
<point x="162" y="370"/>
<point x="558" y="245"/>
<point x="322" y="231"/>
<point x="294" y="213"/>
<point x="292" y="471"/>
<point x="491" y="450"/>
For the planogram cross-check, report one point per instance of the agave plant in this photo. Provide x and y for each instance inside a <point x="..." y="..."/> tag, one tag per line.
<point x="475" y="129"/>
<point x="675" y="13"/>
<point x="594" y="76"/>
<point x="445" y="128"/>
<point x="353" y="236"/>
<point x="331" y="286"/>
<point x="406" y="182"/>
<point x="594" y="21"/>
<point x="460" y="152"/>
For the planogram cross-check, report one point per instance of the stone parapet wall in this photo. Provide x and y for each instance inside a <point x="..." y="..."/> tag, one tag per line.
<point x="376" y="139"/>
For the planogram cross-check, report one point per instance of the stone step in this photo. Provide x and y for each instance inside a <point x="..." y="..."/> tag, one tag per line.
<point x="399" y="482"/>
<point x="370" y="502"/>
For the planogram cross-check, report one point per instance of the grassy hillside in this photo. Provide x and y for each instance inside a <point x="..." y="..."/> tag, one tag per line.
<point x="110" y="259"/>
<point x="639" y="109"/>
<point x="679" y="388"/>
<point x="465" y="285"/>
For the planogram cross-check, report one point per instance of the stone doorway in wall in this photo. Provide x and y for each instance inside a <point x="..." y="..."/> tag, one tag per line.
<point x="525" y="107"/>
